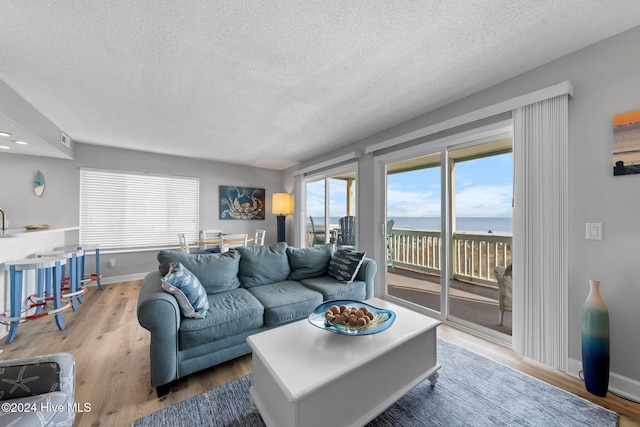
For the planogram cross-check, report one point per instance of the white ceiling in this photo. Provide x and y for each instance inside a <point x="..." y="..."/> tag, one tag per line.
<point x="273" y="83"/>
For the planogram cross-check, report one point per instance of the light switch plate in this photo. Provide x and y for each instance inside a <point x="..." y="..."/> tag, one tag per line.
<point x="594" y="231"/>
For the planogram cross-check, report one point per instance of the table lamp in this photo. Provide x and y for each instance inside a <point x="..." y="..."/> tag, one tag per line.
<point x="281" y="205"/>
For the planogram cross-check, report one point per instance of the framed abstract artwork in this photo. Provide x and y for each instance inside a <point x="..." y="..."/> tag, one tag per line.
<point x="626" y="143"/>
<point x="241" y="202"/>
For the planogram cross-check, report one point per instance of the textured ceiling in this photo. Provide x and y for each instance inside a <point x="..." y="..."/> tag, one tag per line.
<point x="272" y="83"/>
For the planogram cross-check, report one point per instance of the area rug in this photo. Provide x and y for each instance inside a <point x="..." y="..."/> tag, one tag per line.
<point x="471" y="390"/>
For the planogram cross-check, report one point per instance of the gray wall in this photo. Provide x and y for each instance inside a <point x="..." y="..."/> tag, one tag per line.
<point x="59" y="205"/>
<point x="606" y="79"/>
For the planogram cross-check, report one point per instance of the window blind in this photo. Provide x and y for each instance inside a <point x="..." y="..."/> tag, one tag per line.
<point x="540" y="231"/>
<point x="126" y="210"/>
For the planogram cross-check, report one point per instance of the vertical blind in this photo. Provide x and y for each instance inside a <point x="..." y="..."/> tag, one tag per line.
<point x="540" y="237"/>
<point x="126" y="210"/>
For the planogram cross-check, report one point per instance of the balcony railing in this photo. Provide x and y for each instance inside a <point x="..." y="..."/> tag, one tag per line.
<point x="474" y="254"/>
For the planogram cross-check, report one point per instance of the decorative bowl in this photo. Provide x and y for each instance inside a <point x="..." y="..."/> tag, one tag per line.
<point x="38" y="227"/>
<point x="382" y="319"/>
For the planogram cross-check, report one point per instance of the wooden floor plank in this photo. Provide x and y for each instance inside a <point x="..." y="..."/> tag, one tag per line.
<point x="112" y="360"/>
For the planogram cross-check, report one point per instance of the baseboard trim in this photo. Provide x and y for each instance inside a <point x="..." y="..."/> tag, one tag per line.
<point x="126" y="278"/>
<point x="625" y="387"/>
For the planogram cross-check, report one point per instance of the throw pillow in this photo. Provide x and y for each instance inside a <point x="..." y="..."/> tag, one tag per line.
<point x="191" y="296"/>
<point x="216" y="272"/>
<point x="307" y="263"/>
<point x="262" y="265"/>
<point x="345" y="264"/>
<point x="29" y="380"/>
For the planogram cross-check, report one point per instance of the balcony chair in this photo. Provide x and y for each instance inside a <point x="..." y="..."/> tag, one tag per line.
<point x="505" y="288"/>
<point x="390" y="245"/>
<point x="346" y="236"/>
<point x="44" y="383"/>
<point x="318" y="235"/>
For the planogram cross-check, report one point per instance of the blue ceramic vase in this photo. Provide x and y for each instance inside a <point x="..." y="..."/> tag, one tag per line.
<point x="595" y="342"/>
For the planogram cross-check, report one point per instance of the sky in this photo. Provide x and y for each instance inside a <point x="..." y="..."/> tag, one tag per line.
<point x="483" y="189"/>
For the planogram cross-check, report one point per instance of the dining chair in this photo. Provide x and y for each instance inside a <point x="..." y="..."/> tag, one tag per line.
<point x="211" y="234"/>
<point x="184" y="246"/>
<point x="230" y="241"/>
<point x="505" y="290"/>
<point x="347" y="232"/>
<point x="258" y="239"/>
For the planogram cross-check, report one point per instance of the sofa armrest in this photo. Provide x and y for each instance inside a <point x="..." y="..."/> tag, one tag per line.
<point x="159" y="313"/>
<point x="367" y="274"/>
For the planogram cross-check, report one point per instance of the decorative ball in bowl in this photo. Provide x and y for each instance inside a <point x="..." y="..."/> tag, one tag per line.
<point x="351" y="317"/>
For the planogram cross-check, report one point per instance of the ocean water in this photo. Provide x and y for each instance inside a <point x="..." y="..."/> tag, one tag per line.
<point x="469" y="224"/>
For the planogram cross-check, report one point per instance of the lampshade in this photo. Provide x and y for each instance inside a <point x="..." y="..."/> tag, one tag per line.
<point x="281" y="204"/>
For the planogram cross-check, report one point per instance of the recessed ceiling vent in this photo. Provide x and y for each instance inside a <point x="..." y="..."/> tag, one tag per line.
<point x="65" y="140"/>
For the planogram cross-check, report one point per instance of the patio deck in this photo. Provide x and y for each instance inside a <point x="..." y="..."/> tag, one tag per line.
<point x="473" y="303"/>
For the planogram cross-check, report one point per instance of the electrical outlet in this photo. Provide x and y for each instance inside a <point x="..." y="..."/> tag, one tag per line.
<point x="111" y="263"/>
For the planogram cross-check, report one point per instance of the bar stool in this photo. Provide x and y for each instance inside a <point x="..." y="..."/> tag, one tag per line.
<point x="47" y="267"/>
<point x="73" y="283"/>
<point x="87" y="248"/>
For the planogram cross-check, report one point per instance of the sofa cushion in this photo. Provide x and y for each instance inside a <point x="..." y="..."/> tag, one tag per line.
<point x="345" y="264"/>
<point x="285" y="301"/>
<point x="309" y="262"/>
<point x="216" y="272"/>
<point x="261" y="265"/>
<point x="230" y="313"/>
<point x="191" y="296"/>
<point x="332" y="288"/>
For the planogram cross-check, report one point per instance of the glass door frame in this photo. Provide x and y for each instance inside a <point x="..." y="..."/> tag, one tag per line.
<point x="326" y="175"/>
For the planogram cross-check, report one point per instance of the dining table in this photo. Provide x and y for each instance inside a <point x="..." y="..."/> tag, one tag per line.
<point x="216" y="241"/>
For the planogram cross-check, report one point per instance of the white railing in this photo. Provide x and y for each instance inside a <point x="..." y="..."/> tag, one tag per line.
<point x="416" y="249"/>
<point x="474" y="254"/>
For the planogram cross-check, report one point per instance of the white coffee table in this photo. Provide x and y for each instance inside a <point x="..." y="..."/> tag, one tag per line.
<point x="305" y="376"/>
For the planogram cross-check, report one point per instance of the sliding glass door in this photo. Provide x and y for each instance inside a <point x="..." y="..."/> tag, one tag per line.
<point x="414" y="229"/>
<point x="448" y="230"/>
<point x="481" y="216"/>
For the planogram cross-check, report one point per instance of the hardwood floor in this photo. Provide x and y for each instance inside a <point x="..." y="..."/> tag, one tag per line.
<point x="112" y="360"/>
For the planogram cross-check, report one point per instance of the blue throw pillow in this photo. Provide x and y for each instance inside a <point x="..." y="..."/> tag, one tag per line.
<point x="307" y="263"/>
<point x="345" y="264"/>
<point x="191" y="296"/>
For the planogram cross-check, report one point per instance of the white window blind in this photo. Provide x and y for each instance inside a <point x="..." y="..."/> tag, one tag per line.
<point x="540" y="231"/>
<point x="126" y="210"/>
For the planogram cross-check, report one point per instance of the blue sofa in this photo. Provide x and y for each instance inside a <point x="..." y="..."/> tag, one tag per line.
<point x="249" y="290"/>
